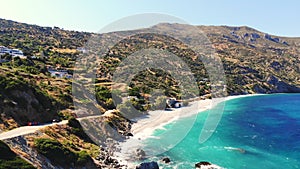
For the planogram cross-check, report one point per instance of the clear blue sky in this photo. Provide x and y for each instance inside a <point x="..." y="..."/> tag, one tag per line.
<point x="275" y="17"/>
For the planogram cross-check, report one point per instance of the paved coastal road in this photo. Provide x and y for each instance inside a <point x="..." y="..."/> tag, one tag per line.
<point x="26" y="130"/>
<point x="31" y="129"/>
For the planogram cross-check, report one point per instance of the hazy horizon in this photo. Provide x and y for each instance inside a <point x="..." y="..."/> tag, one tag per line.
<point x="278" y="18"/>
<point x="153" y="25"/>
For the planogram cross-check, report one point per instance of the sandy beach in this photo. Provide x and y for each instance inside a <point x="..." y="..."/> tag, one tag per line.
<point x="144" y="126"/>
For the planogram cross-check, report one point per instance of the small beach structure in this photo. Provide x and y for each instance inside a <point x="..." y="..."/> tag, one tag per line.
<point x="174" y="103"/>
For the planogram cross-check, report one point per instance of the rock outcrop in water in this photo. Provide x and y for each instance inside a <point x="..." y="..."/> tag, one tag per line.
<point x="206" y="165"/>
<point x="148" y="165"/>
<point x="166" y="160"/>
<point x="140" y="154"/>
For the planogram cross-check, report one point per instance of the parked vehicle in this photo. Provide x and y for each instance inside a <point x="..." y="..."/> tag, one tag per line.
<point x="33" y="123"/>
<point x="56" y="120"/>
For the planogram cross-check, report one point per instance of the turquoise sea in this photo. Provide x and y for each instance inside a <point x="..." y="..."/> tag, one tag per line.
<point x="256" y="132"/>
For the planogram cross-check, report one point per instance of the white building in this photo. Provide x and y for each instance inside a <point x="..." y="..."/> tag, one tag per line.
<point x="13" y="52"/>
<point x="16" y="52"/>
<point x="82" y="50"/>
<point x="59" y="73"/>
<point x="4" y="50"/>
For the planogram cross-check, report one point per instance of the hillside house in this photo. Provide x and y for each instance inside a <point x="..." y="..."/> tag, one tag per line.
<point x="59" y="73"/>
<point x="4" y="50"/>
<point x="13" y="52"/>
<point x="82" y="50"/>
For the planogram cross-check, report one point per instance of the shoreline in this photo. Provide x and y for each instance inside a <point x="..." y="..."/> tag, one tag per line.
<point x="147" y="124"/>
<point x="144" y="126"/>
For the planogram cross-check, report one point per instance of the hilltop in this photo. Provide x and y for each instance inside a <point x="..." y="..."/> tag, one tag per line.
<point x="260" y="62"/>
<point x="254" y="62"/>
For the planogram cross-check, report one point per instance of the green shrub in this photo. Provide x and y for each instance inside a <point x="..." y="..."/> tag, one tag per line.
<point x="15" y="163"/>
<point x="110" y="104"/>
<point x="59" y="154"/>
<point x="74" y="123"/>
<point x="134" y="91"/>
<point x="82" y="158"/>
<point x="78" y="130"/>
<point x="55" y="151"/>
<point x="65" y="98"/>
<point x="102" y="93"/>
<point x="9" y="160"/>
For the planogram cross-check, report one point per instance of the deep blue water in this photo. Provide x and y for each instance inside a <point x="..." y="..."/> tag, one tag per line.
<point x="257" y="132"/>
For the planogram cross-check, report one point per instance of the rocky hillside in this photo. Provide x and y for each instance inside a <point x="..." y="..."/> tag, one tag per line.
<point x="253" y="61"/>
<point x="21" y="102"/>
<point x="59" y="146"/>
<point x="33" y="39"/>
<point x="28" y="97"/>
<point x="256" y="62"/>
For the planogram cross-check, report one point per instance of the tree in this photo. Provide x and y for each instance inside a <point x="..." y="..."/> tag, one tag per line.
<point x="134" y="91"/>
<point x="102" y="93"/>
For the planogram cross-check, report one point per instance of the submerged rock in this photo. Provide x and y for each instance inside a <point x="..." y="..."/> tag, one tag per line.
<point x="148" y="165"/>
<point x="166" y="160"/>
<point x="140" y="154"/>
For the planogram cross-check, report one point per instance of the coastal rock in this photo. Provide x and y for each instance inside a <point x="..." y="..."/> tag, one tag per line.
<point x="129" y="134"/>
<point x="206" y="165"/>
<point x="259" y="89"/>
<point x="166" y="160"/>
<point x="281" y="86"/>
<point x="148" y="165"/>
<point x="202" y="163"/>
<point x="140" y="154"/>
